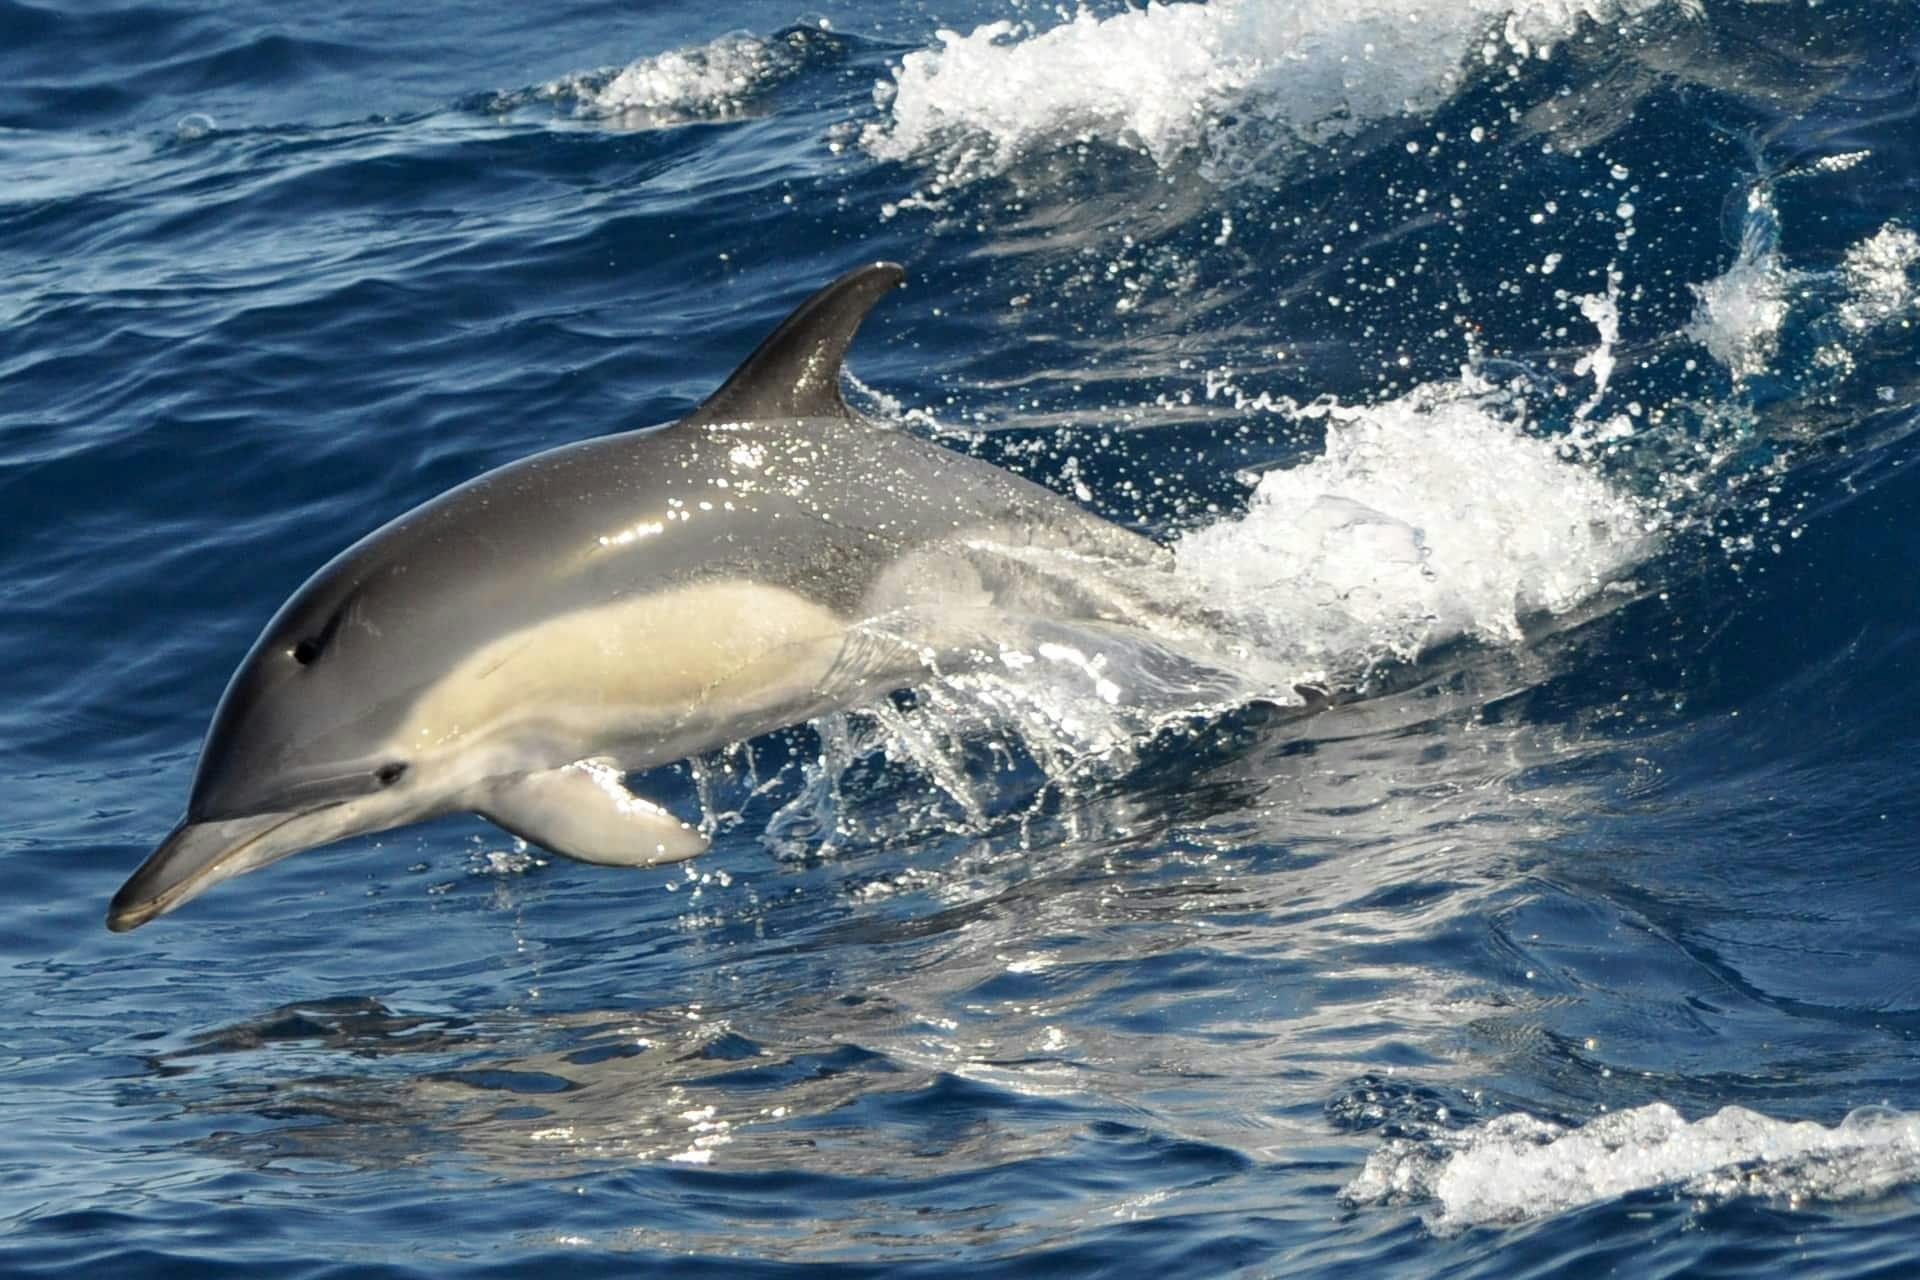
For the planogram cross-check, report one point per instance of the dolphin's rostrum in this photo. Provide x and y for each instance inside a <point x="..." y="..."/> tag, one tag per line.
<point x="519" y="644"/>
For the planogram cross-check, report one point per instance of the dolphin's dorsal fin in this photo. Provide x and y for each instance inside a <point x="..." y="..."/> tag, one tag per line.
<point x="795" y="372"/>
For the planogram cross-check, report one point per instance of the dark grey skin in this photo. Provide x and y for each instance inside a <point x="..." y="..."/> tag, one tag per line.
<point x="516" y="645"/>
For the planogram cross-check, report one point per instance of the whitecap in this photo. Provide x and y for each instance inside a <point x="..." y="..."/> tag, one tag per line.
<point x="1229" y="81"/>
<point x="718" y="80"/>
<point x="1426" y="518"/>
<point x="1517" y="1168"/>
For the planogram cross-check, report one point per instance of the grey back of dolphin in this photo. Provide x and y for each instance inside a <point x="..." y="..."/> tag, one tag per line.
<point x="518" y="644"/>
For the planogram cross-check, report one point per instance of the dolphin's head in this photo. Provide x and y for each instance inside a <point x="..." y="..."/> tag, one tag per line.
<point x="307" y="744"/>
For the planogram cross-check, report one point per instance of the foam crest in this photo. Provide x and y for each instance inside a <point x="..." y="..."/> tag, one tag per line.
<point x="1517" y="1168"/>
<point x="1220" y="79"/>
<point x="1427" y="518"/>
<point x="712" y="81"/>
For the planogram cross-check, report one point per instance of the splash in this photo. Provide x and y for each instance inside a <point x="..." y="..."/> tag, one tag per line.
<point x="1228" y="81"/>
<point x="1427" y="518"/>
<point x="1518" y="1168"/>
<point x="1442" y="515"/>
<point x="1738" y="315"/>
<point x="1879" y="276"/>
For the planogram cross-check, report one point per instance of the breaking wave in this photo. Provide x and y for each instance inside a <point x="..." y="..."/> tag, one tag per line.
<point x="1226" y="81"/>
<point x="1518" y="1168"/>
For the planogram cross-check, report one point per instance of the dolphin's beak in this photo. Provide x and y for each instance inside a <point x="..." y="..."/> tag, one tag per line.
<point x="198" y="855"/>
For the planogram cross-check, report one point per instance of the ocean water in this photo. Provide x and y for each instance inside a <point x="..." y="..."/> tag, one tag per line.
<point x="1530" y="387"/>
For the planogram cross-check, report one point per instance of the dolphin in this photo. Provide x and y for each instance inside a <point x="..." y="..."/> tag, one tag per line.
<point x="518" y="645"/>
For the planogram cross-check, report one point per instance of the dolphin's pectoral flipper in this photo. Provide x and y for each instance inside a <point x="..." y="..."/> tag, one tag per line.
<point x="585" y="812"/>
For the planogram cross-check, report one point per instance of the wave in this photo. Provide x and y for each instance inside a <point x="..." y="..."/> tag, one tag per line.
<point x="1229" y="81"/>
<point x="1517" y="1168"/>
<point x="1427" y="518"/>
<point x="725" y="78"/>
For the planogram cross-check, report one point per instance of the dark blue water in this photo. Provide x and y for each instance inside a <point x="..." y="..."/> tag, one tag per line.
<point x="1543" y="388"/>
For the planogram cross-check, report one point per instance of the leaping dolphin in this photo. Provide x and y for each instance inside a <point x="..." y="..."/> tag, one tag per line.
<point x="519" y="644"/>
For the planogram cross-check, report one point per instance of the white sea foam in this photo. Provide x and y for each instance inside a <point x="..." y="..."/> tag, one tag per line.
<point x="1229" y="79"/>
<point x="1517" y="1168"/>
<point x="1879" y="275"/>
<point x="710" y="81"/>
<point x="1738" y="314"/>
<point x="1426" y="518"/>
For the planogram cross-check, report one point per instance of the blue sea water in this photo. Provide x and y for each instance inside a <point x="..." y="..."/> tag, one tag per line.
<point x="1539" y="378"/>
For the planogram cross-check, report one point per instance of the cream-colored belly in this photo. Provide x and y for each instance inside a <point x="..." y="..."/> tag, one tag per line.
<point x="650" y="672"/>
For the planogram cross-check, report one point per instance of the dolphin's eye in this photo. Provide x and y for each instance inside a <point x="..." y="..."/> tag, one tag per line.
<point x="388" y="774"/>
<point x="306" y="651"/>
